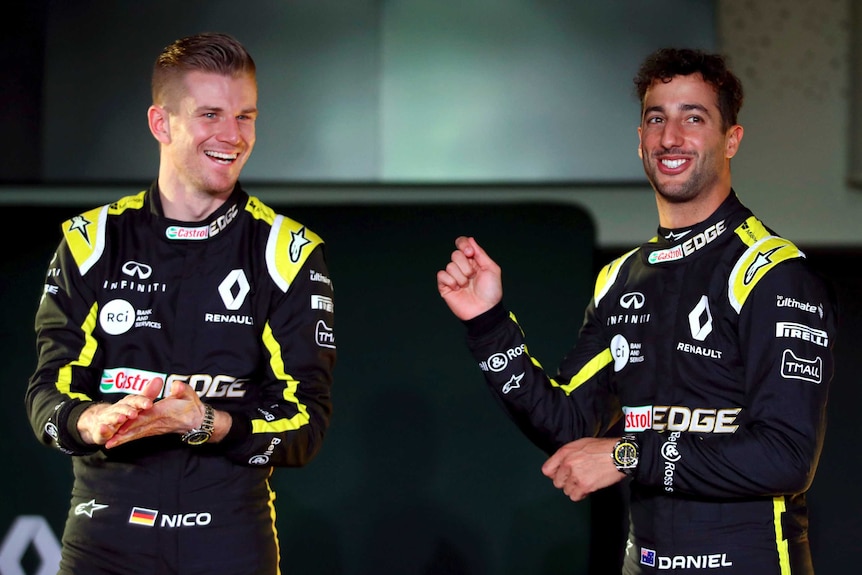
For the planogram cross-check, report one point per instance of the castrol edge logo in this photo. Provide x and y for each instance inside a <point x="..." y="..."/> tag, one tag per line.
<point x="638" y="418"/>
<point x="689" y="246"/>
<point x="681" y="418"/>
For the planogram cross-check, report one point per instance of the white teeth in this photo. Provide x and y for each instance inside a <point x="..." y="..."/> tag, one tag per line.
<point x="222" y="156"/>
<point x="673" y="163"/>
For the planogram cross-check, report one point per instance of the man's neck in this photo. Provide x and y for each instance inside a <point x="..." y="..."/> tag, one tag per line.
<point x="676" y="215"/>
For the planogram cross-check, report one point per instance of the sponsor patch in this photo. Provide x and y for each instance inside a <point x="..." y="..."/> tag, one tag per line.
<point x="638" y="418"/>
<point x="129" y="380"/>
<point x="801" y="331"/>
<point x="794" y="367"/>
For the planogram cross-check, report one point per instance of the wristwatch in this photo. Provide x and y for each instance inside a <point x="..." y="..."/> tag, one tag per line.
<point x="203" y="433"/>
<point x="626" y="453"/>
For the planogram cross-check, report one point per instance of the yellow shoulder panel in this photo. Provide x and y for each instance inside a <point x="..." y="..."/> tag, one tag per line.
<point x="85" y="233"/>
<point x="761" y="256"/>
<point x="287" y="248"/>
<point x="608" y="275"/>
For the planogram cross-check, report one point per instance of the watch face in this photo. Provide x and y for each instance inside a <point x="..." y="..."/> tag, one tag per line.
<point x="625" y="454"/>
<point x="197" y="437"/>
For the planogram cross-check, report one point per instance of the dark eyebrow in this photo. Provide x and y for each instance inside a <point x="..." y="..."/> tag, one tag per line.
<point x="682" y="108"/>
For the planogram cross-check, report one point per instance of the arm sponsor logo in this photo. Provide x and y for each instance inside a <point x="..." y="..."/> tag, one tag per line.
<point x="795" y="367"/>
<point x="801" y="331"/>
<point x="499" y="361"/>
<point x="322" y="302"/>
<point x="324" y="335"/>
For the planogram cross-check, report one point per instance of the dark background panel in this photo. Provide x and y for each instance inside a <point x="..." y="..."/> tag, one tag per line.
<point x="421" y="471"/>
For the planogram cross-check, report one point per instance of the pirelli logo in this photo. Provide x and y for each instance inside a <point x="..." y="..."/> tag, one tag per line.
<point x="801" y="331"/>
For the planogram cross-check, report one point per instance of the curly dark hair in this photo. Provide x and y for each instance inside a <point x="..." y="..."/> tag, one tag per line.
<point x="666" y="63"/>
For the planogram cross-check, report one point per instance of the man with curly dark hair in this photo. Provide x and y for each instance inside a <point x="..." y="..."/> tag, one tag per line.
<point x="710" y="344"/>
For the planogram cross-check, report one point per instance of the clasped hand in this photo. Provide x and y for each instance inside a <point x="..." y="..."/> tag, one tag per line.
<point x="141" y="415"/>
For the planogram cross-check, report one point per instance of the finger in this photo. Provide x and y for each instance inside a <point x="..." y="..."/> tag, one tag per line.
<point x="153" y="389"/>
<point x="479" y="254"/>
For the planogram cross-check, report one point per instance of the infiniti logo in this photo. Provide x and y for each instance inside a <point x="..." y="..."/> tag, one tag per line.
<point x="133" y="268"/>
<point x="633" y="300"/>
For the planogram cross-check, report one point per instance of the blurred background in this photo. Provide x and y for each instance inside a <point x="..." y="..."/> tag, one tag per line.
<point x="404" y="123"/>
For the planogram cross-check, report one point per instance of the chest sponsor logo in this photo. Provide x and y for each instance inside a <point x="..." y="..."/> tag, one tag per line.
<point x="133" y="381"/>
<point x="499" y="361"/>
<point x="233" y="289"/>
<point x="801" y="331"/>
<point x="117" y="317"/>
<point x="689" y="246"/>
<point x="138" y="274"/>
<point x="187" y="233"/>
<point x="624" y="352"/>
<point x="632" y="300"/>
<point x="129" y="381"/>
<point x="638" y="418"/>
<point x="679" y="418"/>
<point x="794" y="367"/>
<point x="324" y="335"/>
<point x="321" y="302"/>
<point x="203" y="232"/>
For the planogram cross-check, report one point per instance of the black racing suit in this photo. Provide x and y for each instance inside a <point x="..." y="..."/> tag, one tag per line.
<point x="240" y="307"/>
<point x="714" y="345"/>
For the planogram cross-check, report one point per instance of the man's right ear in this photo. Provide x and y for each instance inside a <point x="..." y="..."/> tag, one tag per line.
<point x="159" y="122"/>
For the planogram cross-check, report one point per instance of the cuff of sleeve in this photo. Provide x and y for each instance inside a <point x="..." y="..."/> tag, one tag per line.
<point x="240" y="430"/>
<point x="485" y="322"/>
<point x="71" y="438"/>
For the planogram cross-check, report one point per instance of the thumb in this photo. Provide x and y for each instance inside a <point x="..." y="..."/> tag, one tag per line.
<point x="153" y="388"/>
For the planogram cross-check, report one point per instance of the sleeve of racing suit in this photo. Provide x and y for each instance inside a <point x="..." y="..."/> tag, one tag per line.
<point x="63" y="383"/>
<point x="550" y="411"/>
<point x="788" y="363"/>
<point x="290" y="419"/>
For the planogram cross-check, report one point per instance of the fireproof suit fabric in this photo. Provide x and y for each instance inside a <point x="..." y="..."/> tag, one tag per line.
<point x="714" y="344"/>
<point x="240" y="307"/>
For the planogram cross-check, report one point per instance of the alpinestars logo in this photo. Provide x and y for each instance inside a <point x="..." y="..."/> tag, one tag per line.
<point x="297" y="242"/>
<point x="761" y="260"/>
<point x="79" y="224"/>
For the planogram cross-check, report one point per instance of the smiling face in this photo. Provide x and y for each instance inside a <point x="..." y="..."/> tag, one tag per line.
<point x="685" y="149"/>
<point x="207" y="133"/>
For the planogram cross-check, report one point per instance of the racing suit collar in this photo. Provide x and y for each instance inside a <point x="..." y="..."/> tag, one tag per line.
<point x="204" y="230"/>
<point x="674" y="245"/>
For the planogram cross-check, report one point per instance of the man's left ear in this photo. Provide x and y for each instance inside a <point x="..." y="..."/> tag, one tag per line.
<point x="734" y="137"/>
<point x="160" y="126"/>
